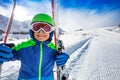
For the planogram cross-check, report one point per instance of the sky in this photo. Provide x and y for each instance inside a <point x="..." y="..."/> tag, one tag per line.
<point x="72" y="14"/>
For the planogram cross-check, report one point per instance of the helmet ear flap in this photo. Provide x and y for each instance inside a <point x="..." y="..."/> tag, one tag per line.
<point x="31" y="33"/>
<point x="51" y="34"/>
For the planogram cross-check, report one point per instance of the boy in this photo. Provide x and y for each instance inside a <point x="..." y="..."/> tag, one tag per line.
<point x="38" y="54"/>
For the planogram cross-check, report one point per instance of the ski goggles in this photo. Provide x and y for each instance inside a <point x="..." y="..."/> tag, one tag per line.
<point x="38" y="26"/>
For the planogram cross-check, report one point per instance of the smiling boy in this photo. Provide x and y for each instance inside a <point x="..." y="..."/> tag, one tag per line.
<point x="38" y="54"/>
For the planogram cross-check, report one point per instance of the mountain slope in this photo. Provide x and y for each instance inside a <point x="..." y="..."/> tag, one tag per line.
<point x="16" y="26"/>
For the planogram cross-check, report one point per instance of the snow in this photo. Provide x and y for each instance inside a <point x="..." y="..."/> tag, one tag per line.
<point x="100" y="59"/>
<point x="94" y="55"/>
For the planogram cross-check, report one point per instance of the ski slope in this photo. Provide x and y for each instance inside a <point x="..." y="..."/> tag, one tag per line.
<point x="97" y="59"/>
<point x="94" y="55"/>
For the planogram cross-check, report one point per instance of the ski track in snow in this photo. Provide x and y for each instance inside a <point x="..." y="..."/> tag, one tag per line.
<point x="78" y="50"/>
<point x="76" y="46"/>
<point x="102" y="63"/>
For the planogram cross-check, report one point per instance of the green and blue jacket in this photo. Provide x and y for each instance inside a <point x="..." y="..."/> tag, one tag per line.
<point x="37" y="59"/>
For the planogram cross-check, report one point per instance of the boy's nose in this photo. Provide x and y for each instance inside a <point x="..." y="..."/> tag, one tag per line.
<point x="41" y="31"/>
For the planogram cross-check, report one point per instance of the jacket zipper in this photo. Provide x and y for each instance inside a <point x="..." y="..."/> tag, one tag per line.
<point x="40" y="63"/>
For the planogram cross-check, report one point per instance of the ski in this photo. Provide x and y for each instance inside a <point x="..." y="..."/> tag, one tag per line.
<point x="8" y="27"/>
<point x="59" y="44"/>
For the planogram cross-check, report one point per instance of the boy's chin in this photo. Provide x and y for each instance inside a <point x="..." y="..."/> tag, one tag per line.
<point x="41" y="40"/>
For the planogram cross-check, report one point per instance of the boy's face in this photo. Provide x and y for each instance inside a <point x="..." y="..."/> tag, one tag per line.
<point x="41" y="30"/>
<point x="41" y="35"/>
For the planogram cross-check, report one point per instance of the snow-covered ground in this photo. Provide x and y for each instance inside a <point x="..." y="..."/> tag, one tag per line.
<point x="94" y="55"/>
<point x="97" y="59"/>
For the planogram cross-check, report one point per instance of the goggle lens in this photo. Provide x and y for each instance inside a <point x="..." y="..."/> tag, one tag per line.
<point x="35" y="27"/>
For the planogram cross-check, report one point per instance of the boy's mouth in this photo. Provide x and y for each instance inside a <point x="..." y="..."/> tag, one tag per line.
<point x="41" y="35"/>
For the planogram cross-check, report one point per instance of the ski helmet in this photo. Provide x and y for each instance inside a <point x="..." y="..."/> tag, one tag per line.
<point x="41" y="17"/>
